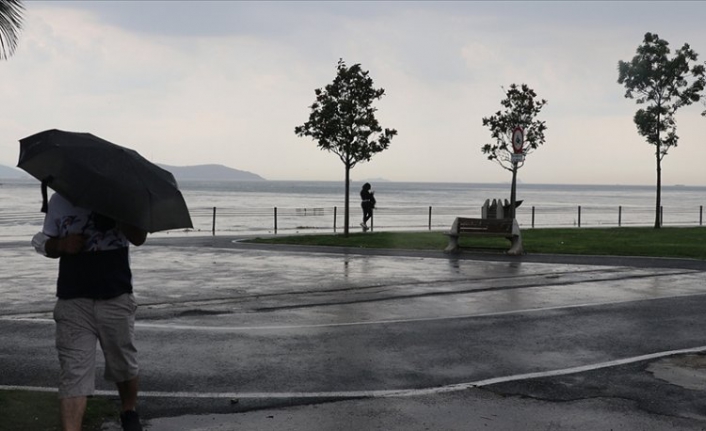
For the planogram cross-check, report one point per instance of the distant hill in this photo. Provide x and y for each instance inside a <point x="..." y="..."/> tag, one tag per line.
<point x="375" y="180"/>
<point x="12" y="173"/>
<point x="210" y="173"/>
<point x="186" y="173"/>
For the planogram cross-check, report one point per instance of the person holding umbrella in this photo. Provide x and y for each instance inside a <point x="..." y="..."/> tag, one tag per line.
<point x="107" y="197"/>
<point x="95" y="304"/>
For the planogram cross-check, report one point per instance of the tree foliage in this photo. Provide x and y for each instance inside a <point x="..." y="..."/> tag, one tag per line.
<point x="664" y="84"/>
<point x="10" y="25"/>
<point x="521" y="108"/>
<point x="342" y="120"/>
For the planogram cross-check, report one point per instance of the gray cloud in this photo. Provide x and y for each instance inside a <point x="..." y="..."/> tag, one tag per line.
<point x="271" y="18"/>
<point x="222" y="18"/>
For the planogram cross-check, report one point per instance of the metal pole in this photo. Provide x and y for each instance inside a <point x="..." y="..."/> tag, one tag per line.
<point x="701" y="215"/>
<point x="429" y="217"/>
<point x="533" y="217"/>
<point x="213" y="230"/>
<point x="579" y="215"/>
<point x="620" y="215"/>
<point x="661" y="216"/>
<point x="275" y="220"/>
<point x="513" y="191"/>
<point x="334" y="219"/>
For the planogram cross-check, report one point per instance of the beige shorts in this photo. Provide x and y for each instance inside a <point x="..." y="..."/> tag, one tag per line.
<point x="80" y="324"/>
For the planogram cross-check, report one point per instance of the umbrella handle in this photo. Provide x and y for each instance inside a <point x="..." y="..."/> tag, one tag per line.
<point x="45" y="205"/>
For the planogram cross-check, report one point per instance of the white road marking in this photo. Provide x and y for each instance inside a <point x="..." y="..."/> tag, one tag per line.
<point x="390" y="392"/>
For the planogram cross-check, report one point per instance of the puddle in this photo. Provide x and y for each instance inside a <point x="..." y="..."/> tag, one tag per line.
<point x="687" y="371"/>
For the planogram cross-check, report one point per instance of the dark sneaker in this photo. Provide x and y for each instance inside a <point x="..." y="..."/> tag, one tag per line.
<point x="130" y="421"/>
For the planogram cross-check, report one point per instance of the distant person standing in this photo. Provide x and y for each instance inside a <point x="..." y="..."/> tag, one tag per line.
<point x="367" y="197"/>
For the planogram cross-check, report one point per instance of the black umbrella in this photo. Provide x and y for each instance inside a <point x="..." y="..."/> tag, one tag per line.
<point x="106" y="178"/>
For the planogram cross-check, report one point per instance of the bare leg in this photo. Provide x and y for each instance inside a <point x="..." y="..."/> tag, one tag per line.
<point x="72" y="410"/>
<point x="128" y="393"/>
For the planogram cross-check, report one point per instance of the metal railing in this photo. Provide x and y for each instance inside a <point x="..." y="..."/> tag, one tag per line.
<point x="275" y="220"/>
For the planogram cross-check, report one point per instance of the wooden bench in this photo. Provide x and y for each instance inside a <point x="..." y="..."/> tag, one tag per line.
<point x="504" y="227"/>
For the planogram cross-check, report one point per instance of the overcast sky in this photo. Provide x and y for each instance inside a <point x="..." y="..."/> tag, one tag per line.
<point x="200" y="82"/>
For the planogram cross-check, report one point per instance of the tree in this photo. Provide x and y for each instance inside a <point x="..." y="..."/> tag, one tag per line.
<point x="342" y="121"/>
<point x="10" y="26"/>
<point x="664" y="84"/>
<point x="521" y="110"/>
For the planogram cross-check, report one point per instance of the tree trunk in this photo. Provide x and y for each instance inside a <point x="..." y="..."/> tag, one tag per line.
<point x="513" y="190"/>
<point x="658" y="204"/>
<point x="346" y="216"/>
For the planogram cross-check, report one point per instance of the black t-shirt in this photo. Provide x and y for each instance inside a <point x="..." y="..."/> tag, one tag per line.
<point x="367" y="197"/>
<point x="95" y="275"/>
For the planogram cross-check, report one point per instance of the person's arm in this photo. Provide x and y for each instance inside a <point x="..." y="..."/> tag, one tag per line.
<point x="135" y="235"/>
<point x="56" y="247"/>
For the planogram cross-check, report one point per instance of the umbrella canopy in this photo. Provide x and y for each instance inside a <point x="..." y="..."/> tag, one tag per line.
<point x="106" y="178"/>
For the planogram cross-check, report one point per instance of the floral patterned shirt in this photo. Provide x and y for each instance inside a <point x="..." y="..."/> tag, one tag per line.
<point x="102" y="269"/>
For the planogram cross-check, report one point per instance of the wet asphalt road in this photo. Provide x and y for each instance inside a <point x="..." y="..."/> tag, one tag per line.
<point x="238" y="336"/>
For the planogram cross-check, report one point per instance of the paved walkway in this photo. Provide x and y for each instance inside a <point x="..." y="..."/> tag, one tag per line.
<point x="242" y="337"/>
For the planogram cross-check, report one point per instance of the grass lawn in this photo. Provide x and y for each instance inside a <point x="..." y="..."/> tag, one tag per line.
<point x="687" y="242"/>
<point x="39" y="411"/>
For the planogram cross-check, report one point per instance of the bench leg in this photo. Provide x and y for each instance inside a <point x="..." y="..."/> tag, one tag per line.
<point x="516" y="248"/>
<point x="453" y="244"/>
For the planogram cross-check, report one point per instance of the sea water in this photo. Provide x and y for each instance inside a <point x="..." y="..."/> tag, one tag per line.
<point x="255" y="207"/>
